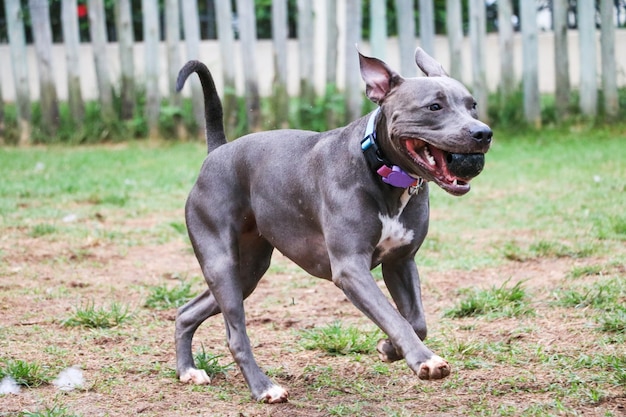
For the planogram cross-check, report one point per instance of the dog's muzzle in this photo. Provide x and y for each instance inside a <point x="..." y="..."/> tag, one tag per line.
<point x="465" y="165"/>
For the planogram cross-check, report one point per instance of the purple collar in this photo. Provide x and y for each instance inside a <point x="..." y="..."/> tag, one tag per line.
<point x="390" y="174"/>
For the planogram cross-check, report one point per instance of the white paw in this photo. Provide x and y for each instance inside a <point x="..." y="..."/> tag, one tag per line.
<point x="195" y="376"/>
<point x="275" y="394"/>
<point x="434" y="368"/>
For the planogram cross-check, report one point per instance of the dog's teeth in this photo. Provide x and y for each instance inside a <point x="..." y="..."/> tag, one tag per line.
<point x="429" y="157"/>
<point x="455" y="182"/>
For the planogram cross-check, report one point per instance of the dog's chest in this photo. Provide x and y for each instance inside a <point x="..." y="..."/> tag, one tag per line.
<point x="393" y="233"/>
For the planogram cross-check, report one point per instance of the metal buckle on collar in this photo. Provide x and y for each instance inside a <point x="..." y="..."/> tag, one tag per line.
<point x="371" y="151"/>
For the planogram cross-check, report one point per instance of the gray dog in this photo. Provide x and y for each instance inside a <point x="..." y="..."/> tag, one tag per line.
<point x="336" y="203"/>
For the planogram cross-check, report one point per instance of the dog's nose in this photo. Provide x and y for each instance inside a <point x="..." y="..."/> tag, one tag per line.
<point x="482" y="134"/>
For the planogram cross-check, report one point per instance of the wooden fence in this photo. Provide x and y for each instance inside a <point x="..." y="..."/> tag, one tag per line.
<point x="323" y="53"/>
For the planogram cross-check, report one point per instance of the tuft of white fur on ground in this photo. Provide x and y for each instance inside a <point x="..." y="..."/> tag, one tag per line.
<point x="9" y="386"/>
<point x="69" y="379"/>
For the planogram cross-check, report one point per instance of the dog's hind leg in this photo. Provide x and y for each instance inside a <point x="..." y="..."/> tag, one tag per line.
<point x="232" y="272"/>
<point x="230" y="296"/>
<point x="188" y="319"/>
<point x="254" y="260"/>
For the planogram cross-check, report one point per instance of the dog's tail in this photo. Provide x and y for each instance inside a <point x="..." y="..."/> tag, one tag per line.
<point x="213" y="114"/>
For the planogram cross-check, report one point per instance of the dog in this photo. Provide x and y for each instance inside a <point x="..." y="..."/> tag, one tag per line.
<point x="337" y="203"/>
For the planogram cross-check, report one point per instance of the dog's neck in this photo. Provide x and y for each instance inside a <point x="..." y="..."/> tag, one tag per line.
<point x="390" y="174"/>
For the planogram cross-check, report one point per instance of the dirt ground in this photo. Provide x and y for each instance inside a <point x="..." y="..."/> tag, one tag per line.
<point x="129" y="369"/>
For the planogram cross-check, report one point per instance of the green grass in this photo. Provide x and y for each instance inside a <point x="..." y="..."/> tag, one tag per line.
<point x="502" y="301"/>
<point x="547" y="249"/>
<point x="90" y="316"/>
<point x="613" y="321"/>
<point x="56" y="411"/>
<point x="29" y="374"/>
<point x="99" y="184"/>
<point x="210" y="363"/>
<point x="586" y="270"/>
<point x="42" y="230"/>
<point x="605" y="294"/>
<point x="162" y="298"/>
<point x="337" y="339"/>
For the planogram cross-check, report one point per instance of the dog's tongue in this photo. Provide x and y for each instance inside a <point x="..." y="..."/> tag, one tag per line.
<point x="440" y="158"/>
<point x="438" y="161"/>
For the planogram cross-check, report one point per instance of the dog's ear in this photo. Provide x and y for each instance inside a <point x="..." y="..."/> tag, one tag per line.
<point x="379" y="78"/>
<point x="428" y="64"/>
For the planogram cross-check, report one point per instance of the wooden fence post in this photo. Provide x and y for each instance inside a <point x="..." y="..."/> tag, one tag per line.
<point x="609" y="76"/>
<point x="587" y="33"/>
<point x="191" y="25"/>
<point x="505" y="42"/>
<point x="97" y="30"/>
<point x="280" y="98"/>
<point x="17" y="43"/>
<point x="561" y="59"/>
<point x="305" y="62"/>
<point x="174" y="61"/>
<point x="1" y="116"/>
<point x="42" y="36"/>
<point x="406" y="37"/>
<point x="454" y="27"/>
<point x="150" y="9"/>
<point x="71" y="39"/>
<point x="332" y="118"/>
<point x="247" y="37"/>
<point x="354" y="92"/>
<point x="378" y="28"/>
<point x="530" y="70"/>
<point x="427" y="26"/>
<point x="477" y="29"/>
<point x="172" y="39"/>
<point x="224" y="19"/>
<point x="126" y="41"/>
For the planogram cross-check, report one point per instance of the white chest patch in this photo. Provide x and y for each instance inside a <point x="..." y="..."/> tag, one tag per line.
<point x="393" y="233"/>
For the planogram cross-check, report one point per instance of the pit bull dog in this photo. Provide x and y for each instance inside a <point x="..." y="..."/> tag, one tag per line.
<point x="337" y="203"/>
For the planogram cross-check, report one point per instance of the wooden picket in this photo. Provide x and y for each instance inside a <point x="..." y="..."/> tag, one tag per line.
<point x="71" y="38"/>
<point x="42" y="36"/>
<point x="17" y="44"/>
<point x="588" y="73"/>
<point x="126" y="40"/>
<point x="97" y="31"/>
<point x="530" y="63"/>
<point x="609" y="70"/>
<point x="561" y="59"/>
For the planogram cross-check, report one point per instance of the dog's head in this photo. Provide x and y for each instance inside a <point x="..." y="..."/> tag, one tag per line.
<point x="428" y="125"/>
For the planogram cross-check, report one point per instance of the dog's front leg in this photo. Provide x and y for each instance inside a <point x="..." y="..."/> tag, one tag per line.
<point x="352" y="275"/>
<point x="402" y="281"/>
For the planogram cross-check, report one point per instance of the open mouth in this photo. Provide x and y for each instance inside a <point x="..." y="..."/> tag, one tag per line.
<point x="443" y="167"/>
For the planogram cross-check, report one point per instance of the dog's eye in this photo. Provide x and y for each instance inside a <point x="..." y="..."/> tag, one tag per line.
<point x="434" y="107"/>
